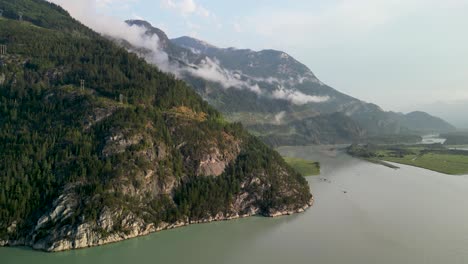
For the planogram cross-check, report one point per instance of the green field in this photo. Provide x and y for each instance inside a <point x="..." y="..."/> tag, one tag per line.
<point x="305" y="167"/>
<point x="445" y="163"/>
<point x="438" y="159"/>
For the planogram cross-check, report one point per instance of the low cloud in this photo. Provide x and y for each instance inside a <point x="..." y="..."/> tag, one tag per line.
<point x="86" y="12"/>
<point x="208" y="69"/>
<point x="211" y="70"/>
<point x="297" y="97"/>
<point x="279" y="117"/>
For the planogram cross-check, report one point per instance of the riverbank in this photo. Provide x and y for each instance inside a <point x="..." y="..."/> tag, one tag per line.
<point x="303" y="166"/>
<point x="381" y="162"/>
<point x="433" y="157"/>
<point x="87" y="237"/>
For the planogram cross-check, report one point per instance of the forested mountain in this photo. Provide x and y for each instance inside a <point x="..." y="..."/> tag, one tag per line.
<point x="270" y="90"/>
<point x="98" y="146"/>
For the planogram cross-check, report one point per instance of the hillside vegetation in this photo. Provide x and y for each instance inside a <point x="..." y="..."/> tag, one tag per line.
<point x="305" y="167"/>
<point x="133" y="152"/>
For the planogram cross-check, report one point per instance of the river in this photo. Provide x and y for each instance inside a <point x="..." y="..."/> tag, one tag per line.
<point x="363" y="213"/>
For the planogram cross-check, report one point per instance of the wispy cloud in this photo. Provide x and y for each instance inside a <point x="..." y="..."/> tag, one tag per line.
<point x="108" y="4"/>
<point x="297" y="97"/>
<point x="186" y="7"/>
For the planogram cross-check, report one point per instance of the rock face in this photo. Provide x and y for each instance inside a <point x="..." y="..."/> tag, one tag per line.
<point x="103" y="232"/>
<point x="53" y="231"/>
<point x="215" y="163"/>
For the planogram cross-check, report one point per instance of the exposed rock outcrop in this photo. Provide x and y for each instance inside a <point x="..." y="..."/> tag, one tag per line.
<point x="103" y="231"/>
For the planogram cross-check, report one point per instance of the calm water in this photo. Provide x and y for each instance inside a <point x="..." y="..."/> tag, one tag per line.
<point x="386" y="216"/>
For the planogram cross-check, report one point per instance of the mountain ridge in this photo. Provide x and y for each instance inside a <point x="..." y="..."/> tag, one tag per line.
<point x="277" y="84"/>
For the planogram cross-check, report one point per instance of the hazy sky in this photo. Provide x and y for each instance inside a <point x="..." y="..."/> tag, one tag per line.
<point x="400" y="54"/>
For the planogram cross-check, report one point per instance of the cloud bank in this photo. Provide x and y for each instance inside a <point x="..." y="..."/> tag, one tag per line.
<point x="211" y="70"/>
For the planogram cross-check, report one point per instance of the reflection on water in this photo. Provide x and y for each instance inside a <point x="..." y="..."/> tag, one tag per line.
<point x="363" y="213"/>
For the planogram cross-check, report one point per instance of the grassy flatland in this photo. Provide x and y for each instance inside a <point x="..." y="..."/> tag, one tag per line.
<point x="445" y="163"/>
<point x="440" y="159"/>
<point x="305" y="167"/>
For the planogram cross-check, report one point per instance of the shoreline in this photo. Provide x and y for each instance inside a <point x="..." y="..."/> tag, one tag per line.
<point x="412" y="165"/>
<point x="61" y="246"/>
<point x="388" y="164"/>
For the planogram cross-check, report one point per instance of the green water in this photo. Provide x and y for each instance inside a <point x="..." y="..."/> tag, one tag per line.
<point x="386" y="216"/>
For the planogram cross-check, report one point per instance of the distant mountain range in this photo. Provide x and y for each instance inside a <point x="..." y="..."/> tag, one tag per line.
<point x="452" y="111"/>
<point x="278" y="98"/>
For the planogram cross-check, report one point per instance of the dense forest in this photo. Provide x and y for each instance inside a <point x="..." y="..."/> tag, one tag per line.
<point x="101" y="141"/>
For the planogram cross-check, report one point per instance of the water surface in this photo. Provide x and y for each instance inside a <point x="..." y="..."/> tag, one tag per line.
<point x="363" y="213"/>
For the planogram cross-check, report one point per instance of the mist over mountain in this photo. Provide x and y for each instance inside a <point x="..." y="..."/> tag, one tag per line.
<point x="270" y="90"/>
<point x="110" y="130"/>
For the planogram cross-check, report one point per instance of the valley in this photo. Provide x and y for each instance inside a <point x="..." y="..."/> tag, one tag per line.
<point x="183" y="151"/>
<point x="379" y="217"/>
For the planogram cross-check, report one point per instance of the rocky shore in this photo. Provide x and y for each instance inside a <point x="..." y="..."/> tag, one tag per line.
<point x="85" y="235"/>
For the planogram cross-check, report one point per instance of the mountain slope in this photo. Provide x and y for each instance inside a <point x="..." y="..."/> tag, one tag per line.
<point x="257" y="98"/>
<point x="452" y="111"/>
<point x="247" y="85"/>
<point x="423" y="122"/>
<point x="132" y="152"/>
<point x="281" y="67"/>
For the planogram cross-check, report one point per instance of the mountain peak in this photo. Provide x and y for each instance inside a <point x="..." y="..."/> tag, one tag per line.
<point x="151" y="30"/>
<point x="139" y="22"/>
<point x="266" y="63"/>
<point x="196" y="45"/>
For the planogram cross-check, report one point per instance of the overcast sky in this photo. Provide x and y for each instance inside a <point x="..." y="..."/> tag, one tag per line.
<point x="400" y="54"/>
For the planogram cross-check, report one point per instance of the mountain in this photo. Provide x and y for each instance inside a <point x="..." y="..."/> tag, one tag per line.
<point x="423" y="122"/>
<point x="256" y="88"/>
<point x="98" y="146"/>
<point x="452" y="111"/>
